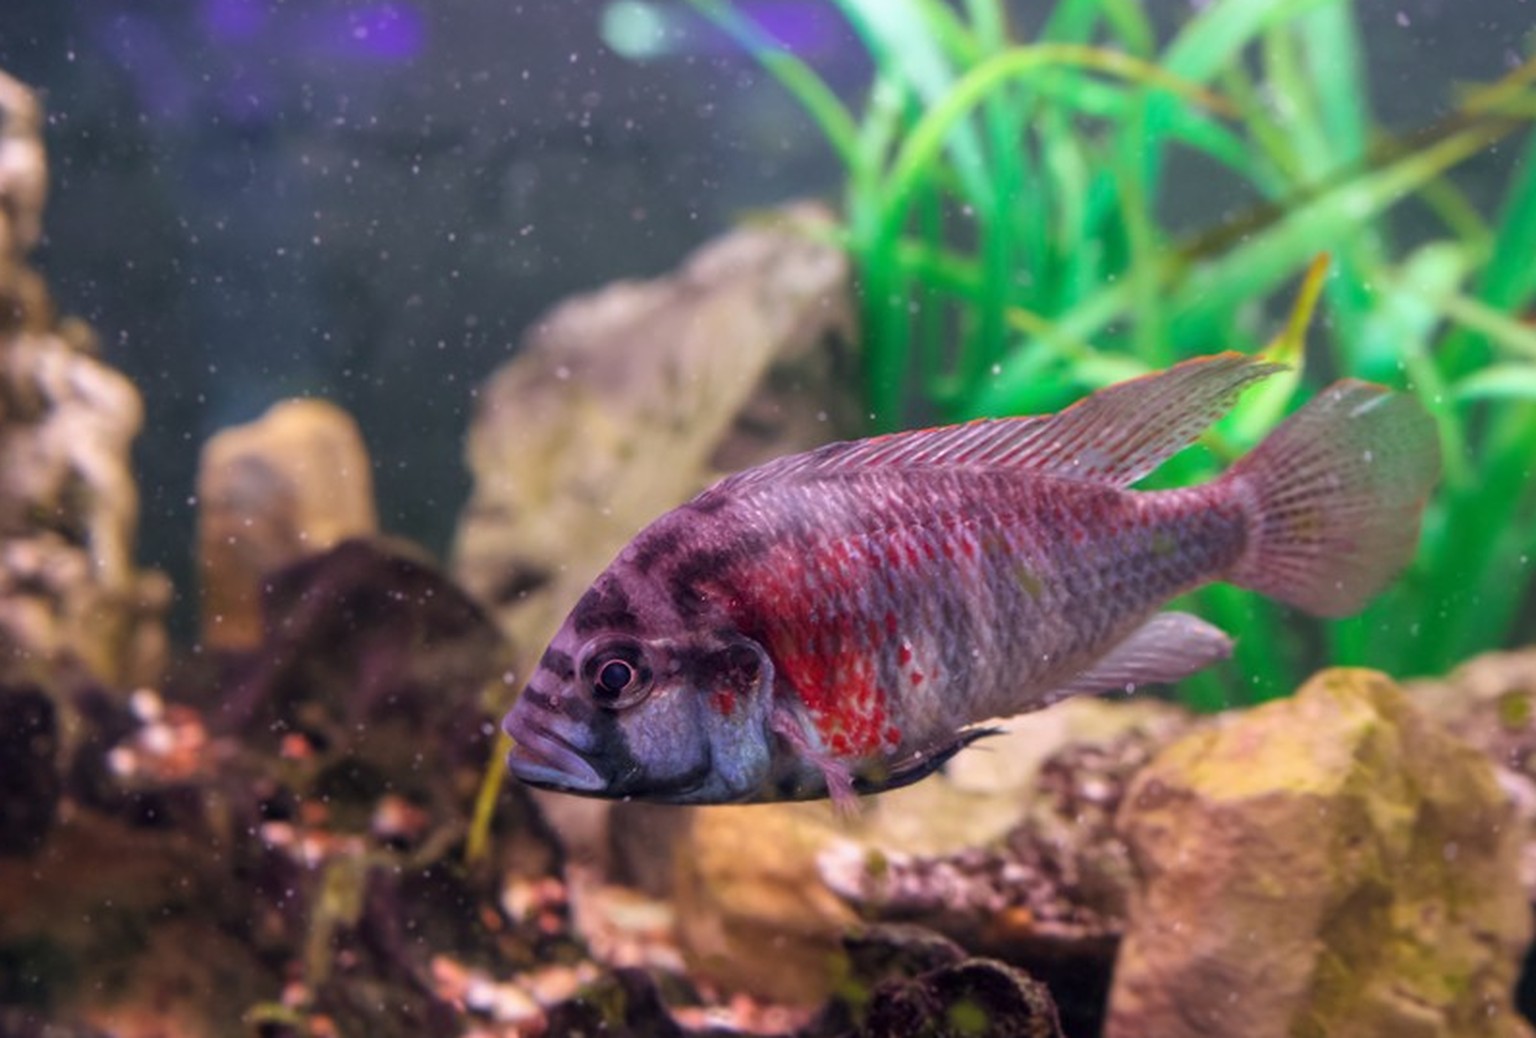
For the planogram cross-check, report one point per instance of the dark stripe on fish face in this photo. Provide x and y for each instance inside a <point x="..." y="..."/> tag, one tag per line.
<point x="694" y="571"/>
<point x="558" y="663"/>
<point x="605" y="607"/>
<point x="657" y="545"/>
<point x="626" y="775"/>
<point x="689" y="602"/>
<point x="612" y="749"/>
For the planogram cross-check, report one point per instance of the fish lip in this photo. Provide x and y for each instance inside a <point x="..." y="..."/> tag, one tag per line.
<point x="542" y="757"/>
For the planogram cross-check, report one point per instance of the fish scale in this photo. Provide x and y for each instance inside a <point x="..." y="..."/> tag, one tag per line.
<point x="845" y="620"/>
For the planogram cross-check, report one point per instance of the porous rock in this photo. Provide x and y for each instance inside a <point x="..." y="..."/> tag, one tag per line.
<point x="623" y="403"/>
<point x="30" y="783"/>
<point x="1335" y="863"/>
<point x="292" y="483"/>
<point x="1490" y="701"/>
<point x="306" y="866"/>
<point x="373" y="654"/>
<point x="73" y="607"/>
<point x="24" y="192"/>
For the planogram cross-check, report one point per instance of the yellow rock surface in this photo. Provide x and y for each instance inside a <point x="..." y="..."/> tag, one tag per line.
<point x="1331" y="864"/>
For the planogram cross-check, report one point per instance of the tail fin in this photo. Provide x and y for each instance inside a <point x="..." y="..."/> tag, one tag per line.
<point x="1334" y="497"/>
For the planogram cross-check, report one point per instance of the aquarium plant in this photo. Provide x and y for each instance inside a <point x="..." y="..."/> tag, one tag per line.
<point x="1003" y="209"/>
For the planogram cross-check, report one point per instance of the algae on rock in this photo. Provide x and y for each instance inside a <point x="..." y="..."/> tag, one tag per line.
<point x="1335" y="863"/>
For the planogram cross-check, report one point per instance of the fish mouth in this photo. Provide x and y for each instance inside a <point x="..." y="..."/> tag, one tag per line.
<point x="543" y="758"/>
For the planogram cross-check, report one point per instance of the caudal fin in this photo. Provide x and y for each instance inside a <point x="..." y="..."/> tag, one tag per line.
<point x="1334" y="497"/>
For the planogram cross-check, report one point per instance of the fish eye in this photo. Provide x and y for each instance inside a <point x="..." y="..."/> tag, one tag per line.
<point x="615" y="677"/>
<point x="616" y="673"/>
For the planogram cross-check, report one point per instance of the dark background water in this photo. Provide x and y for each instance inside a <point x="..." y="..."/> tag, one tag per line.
<point x="371" y="200"/>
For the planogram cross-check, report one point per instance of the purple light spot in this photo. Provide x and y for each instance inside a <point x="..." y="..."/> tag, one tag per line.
<point x="806" y="29"/>
<point x="384" y="32"/>
<point x="228" y="20"/>
<point x="141" y="50"/>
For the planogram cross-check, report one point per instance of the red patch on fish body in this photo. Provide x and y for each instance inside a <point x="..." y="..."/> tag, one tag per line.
<point x="824" y="648"/>
<point x="900" y="606"/>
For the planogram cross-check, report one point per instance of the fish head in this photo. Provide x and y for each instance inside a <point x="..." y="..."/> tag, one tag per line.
<point x="634" y="704"/>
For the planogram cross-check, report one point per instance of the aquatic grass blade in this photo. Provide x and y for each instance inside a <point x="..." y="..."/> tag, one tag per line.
<point x="1012" y="189"/>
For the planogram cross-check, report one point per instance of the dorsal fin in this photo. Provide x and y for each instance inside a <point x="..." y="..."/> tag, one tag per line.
<point x="1116" y="436"/>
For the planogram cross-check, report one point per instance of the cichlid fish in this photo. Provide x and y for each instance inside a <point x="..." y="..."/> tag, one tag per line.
<point x="844" y="621"/>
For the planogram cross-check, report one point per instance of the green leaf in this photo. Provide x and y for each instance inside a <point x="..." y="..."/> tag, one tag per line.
<point x="1500" y="382"/>
<point x="1215" y="36"/>
<point x="1255" y="266"/>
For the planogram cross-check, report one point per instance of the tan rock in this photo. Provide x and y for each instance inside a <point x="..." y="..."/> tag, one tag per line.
<point x="753" y="913"/>
<point x="623" y="403"/>
<point x="72" y="602"/>
<point x="23" y="192"/>
<point x="293" y="483"/>
<point x="1331" y="864"/>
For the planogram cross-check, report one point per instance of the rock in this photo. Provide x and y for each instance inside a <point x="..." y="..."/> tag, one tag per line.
<point x="1490" y="702"/>
<point x="1010" y="851"/>
<point x="623" y="403"/>
<point x="753" y="914"/>
<point x="627" y="1003"/>
<point x="900" y="981"/>
<point x="73" y="607"/>
<point x="379" y="664"/>
<point x="23" y="193"/>
<point x="1335" y="863"/>
<point x="620" y="405"/>
<point x="306" y="865"/>
<point x="24" y="1022"/>
<point x="904" y="980"/>
<point x="976" y="997"/>
<point x="30" y="783"/>
<point x="293" y="483"/>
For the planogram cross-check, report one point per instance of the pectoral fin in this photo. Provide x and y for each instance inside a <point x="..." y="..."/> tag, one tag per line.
<point x="1166" y="648"/>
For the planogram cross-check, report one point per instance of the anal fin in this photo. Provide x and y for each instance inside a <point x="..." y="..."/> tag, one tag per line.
<point x="1166" y="648"/>
<point x="919" y="765"/>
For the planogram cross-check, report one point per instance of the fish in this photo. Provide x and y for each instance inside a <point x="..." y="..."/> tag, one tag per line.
<point x="843" y="621"/>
